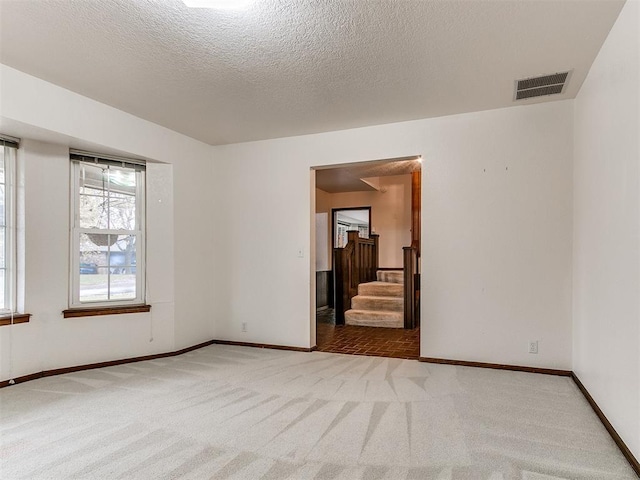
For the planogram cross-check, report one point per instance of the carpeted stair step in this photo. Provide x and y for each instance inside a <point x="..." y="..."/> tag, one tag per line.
<point x="381" y="289"/>
<point x="390" y="276"/>
<point x="370" y="318"/>
<point x="387" y="304"/>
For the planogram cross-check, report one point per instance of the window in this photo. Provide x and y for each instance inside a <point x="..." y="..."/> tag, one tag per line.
<point x="350" y="219"/>
<point x="108" y="217"/>
<point x="8" y="148"/>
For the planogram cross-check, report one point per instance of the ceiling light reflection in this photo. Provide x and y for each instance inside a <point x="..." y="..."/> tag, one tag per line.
<point x="219" y="4"/>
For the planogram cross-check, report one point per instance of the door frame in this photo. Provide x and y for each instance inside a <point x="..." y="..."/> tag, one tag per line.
<point x="312" y="237"/>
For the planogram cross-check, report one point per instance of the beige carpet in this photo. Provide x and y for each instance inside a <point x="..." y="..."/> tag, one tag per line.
<point x="378" y="304"/>
<point x="228" y="412"/>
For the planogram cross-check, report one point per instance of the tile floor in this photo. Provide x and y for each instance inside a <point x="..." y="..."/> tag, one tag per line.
<point x="381" y="342"/>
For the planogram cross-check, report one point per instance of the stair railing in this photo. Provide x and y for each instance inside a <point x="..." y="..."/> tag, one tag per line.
<point x="354" y="264"/>
<point x="411" y="287"/>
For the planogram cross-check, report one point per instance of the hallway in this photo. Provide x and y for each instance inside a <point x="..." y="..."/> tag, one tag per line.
<point x="356" y="340"/>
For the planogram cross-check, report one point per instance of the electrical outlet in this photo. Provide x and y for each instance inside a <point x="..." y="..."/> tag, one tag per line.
<point x="533" y="346"/>
<point x="244" y="326"/>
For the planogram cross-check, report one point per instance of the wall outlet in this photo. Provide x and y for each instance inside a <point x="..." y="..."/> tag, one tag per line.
<point x="533" y="346"/>
<point x="244" y="326"/>
<point x="301" y="253"/>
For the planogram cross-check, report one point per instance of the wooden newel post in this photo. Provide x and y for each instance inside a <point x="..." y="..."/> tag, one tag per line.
<point x="354" y="264"/>
<point x="338" y="282"/>
<point x="353" y="237"/>
<point x="376" y="239"/>
<point x="409" y="288"/>
<point x="376" y="256"/>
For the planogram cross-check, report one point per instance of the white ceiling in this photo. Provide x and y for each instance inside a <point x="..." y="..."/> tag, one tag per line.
<point x="290" y="67"/>
<point x="349" y="178"/>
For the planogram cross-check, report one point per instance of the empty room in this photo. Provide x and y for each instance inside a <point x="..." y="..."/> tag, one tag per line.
<point x="320" y="239"/>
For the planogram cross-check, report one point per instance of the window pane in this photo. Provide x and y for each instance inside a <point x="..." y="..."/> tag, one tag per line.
<point x="122" y="180"/>
<point x="3" y="301"/>
<point x="107" y="198"/>
<point x="93" y="250"/>
<point x="93" y="197"/>
<point x="93" y="267"/>
<point x="122" y="264"/>
<point x="122" y="255"/>
<point x="123" y="286"/>
<point x="2" y="206"/>
<point x="92" y="177"/>
<point x="94" y="284"/>
<point x="2" y="152"/>
<point x="2" y="247"/>
<point x="122" y="211"/>
<point x="92" y="209"/>
<point x="107" y="267"/>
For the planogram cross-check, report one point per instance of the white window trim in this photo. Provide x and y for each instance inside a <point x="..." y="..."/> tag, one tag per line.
<point x="75" y="231"/>
<point x="10" y="232"/>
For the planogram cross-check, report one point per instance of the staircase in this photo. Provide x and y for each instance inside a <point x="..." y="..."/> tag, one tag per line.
<point x="379" y="303"/>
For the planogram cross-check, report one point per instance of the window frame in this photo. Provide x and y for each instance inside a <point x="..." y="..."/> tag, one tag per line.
<point x="10" y="231"/>
<point x="76" y="231"/>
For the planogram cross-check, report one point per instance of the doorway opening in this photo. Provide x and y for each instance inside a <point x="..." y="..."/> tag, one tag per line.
<point x="367" y="229"/>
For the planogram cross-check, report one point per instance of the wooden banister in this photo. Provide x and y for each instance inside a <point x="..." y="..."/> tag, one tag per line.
<point x="354" y="264"/>
<point x="416" y="196"/>
<point x="411" y="287"/>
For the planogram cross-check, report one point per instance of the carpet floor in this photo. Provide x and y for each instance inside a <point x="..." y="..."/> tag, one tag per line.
<point x="235" y="413"/>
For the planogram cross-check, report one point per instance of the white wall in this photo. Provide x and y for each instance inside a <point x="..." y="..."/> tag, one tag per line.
<point x="390" y="215"/>
<point x="179" y="261"/>
<point x="496" y="223"/>
<point x="498" y="238"/>
<point x="606" y="260"/>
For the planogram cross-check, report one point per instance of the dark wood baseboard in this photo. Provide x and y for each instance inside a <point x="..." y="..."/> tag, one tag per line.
<point x="498" y="366"/>
<point x="265" y="345"/>
<point x="633" y="461"/>
<point x="22" y="379"/>
<point x="390" y="268"/>
<point x="111" y="363"/>
<point x="90" y="366"/>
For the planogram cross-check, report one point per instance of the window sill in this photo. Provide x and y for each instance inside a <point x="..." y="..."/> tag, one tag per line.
<point x="95" y="311"/>
<point x="17" y="318"/>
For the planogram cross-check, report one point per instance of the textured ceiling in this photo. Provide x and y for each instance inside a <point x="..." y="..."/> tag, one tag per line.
<point x="290" y="67"/>
<point x="349" y="178"/>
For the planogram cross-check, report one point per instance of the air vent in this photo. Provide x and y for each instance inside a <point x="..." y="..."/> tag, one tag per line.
<point x="540" y="86"/>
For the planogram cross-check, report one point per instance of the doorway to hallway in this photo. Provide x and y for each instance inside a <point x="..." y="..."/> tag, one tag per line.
<point x="366" y="296"/>
<point x="356" y="340"/>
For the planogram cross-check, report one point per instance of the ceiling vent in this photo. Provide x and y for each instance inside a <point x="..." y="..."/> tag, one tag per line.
<point x="540" y="86"/>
